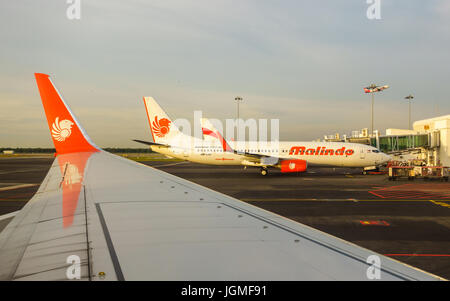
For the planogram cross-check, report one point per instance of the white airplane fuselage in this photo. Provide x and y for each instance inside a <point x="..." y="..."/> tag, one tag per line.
<point x="333" y="154"/>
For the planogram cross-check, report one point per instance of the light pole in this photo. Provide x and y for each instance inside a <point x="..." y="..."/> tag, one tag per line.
<point x="409" y="98"/>
<point x="238" y="99"/>
<point x="372" y="89"/>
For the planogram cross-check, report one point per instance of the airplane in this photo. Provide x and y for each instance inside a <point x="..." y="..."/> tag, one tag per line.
<point x="289" y="157"/>
<point x="100" y="217"/>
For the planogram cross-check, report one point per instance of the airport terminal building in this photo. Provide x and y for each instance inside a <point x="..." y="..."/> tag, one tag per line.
<point x="428" y="141"/>
<point x="439" y="131"/>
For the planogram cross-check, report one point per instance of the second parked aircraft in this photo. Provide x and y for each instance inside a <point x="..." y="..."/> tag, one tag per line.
<point x="289" y="157"/>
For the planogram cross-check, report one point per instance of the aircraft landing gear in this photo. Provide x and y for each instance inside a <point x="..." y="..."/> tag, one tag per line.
<point x="264" y="171"/>
<point x="366" y="170"/>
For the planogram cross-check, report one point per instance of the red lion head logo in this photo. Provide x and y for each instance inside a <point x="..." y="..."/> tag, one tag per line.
<point x="161" y="127"/>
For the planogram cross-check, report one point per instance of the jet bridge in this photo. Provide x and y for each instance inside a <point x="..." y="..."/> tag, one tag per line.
<point x="400" y="143"/>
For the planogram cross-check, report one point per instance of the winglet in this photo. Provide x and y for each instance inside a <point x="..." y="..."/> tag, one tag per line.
<point x="67" y="134"/>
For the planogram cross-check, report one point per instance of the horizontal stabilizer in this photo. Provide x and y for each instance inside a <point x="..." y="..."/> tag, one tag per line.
<point x="150" y="143"/>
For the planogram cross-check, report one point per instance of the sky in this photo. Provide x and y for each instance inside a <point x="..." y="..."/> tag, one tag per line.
<point x="303" y="62"/>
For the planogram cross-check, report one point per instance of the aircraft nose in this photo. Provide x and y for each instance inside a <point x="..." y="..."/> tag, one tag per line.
<point x="385" y="158"/>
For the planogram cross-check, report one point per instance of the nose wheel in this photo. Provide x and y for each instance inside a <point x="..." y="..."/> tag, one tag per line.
<point x="264" y="171"/>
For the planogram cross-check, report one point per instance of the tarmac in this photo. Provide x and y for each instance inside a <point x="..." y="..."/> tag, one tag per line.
<point x="408" y="221"/>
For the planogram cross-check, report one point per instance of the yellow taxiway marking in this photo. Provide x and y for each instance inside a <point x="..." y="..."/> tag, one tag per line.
<point x="440" y="203"/>
<point x="17" y="186"/>
<point x="170" y="164"/>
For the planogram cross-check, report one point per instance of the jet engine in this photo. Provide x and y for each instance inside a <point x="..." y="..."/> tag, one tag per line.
<point x="293" y="165"/>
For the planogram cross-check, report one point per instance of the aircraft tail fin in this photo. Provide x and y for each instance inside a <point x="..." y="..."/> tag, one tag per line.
<point x="67" y="134"/>
<point x="161" y="126"/>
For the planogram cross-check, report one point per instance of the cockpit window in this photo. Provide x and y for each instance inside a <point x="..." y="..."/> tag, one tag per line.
<point x="375" y="151"/>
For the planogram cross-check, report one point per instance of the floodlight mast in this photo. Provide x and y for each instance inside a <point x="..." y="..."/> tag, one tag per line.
<point x="238" y="100"/>
<point x="372" y="89"/>
<point x="409" y="98"/>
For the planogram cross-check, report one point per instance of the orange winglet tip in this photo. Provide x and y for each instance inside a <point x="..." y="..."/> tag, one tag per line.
<point x="67" y="134"/>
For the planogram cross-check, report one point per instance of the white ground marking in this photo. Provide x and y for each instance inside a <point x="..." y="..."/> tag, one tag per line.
<point x="17" y="171"/>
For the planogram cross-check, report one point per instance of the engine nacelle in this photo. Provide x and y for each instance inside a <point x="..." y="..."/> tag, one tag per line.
<point x="293" y="165"/>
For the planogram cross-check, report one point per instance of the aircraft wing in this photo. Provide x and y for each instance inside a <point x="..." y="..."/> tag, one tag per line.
<point x="121" y="220"/>
<point x="258" y="159"/>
